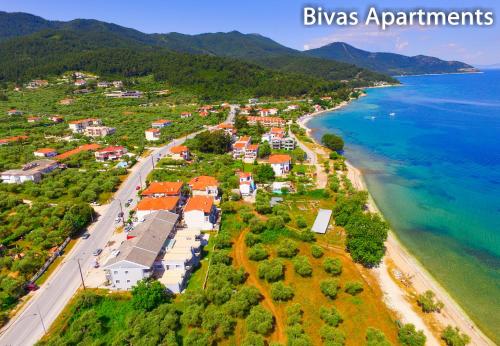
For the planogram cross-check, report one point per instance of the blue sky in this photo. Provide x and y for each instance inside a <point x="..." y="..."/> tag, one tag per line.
<point x="281" y="20"/>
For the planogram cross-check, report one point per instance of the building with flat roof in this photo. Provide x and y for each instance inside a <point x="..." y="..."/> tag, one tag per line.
<point x="31" y="171"/>
<point x="322" y="220"/>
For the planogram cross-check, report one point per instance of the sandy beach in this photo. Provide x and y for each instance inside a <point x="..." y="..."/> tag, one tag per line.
<point x="401" y="277"/>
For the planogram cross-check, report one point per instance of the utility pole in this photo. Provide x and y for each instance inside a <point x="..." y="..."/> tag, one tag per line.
<point x="140" y="179"/>
<point x="153" y="161"/>
<point x="121" y="213"/>
<point x="81" y="274"/>
<point x="41" y="320"/>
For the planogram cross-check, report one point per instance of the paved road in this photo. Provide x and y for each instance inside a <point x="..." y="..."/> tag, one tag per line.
<point x="46" y="303"/>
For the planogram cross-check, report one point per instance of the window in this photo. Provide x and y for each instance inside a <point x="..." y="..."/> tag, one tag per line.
<point x="116" y="272"/>
<point x="128" y="281"/>
<point x="117" y="281"/>
<point x="126" y="271"/>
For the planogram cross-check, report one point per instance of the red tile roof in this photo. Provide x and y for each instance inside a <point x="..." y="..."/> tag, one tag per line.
<point x="162" y="121"/>
<point x="12" y="139"/>
<point x="280" y="158"/>
<point x="160" y="203"/>
<point x="179" y="149"/>
<point x="204" y="203"/>
<point x="253" y="147"/>
<point x="202" y="182"/>
<point x="164" y="187"/>
<point x="153" y="130"/>
<point x="85" y="147"/>
<point x="45" y="150"/>
<point x="111" y="149"/>
<point x="245" y="175"/>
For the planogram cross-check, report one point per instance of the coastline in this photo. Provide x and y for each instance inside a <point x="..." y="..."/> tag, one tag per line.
<point x="401" y="276"/>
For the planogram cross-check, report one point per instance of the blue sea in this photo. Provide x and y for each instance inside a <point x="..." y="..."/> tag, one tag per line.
<point x="430" y="154"/>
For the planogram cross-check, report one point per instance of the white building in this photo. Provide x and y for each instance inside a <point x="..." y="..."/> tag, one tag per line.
<point x="200" y="213"/>
<point x="32" y="171"/>
<point x="149" y="205"/>
<point x="98" y="131"/>
<point x="45" y="152"/>
<point x="247" y="185"/>
<point x="79" y="126"/>
<point x="280" y="163"/>
<point x="139" y="257"/>
<point x="204" y="186"/>
<point x="161" y="123"/>
<point x="152" y="134"/>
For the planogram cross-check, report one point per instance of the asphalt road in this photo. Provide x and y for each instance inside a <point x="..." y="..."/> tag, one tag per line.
<point x="48" y="301"/>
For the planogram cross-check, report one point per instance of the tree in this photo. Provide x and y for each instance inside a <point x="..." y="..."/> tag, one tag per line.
<point x="353" y="287"/>
<point x="332" y="142"/>
<point x="287" y="248"/>
<point x="375" y="337"/>
<point x="302" y="266"/>
<point x="257" y="253"/>
<point x="263" y="173"/>
<point x="301" y="222"/>
<point x="243" y="300"/>
<point x="251" y="239"/>
<point x="281" y="292"/>
<point x="218" y="323"/>
<point x="197" y="337"/>
<point x="148" y="294"/>
<point x="332" y="336"/>
<point x="253" y="339"/>
<point x="294" y="314"/>
<point x="271" y="270"/>
<point x="260" y="321"/>
<point x="428" y="302"/>
<point x="316" y="251"/>
<point x="329" y="288"/>
<point x="217" y="142"/>
<point x="409" y="336"/>
<point x="453" y="337"/>
<point x="330" y="316"/>
<point x="332" y="266"/>
<point x="264" y="150"/>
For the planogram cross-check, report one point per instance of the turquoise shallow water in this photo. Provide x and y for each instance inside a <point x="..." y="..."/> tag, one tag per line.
<point x="433" y="168"/>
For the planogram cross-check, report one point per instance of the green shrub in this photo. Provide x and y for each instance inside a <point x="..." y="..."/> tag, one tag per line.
<point x="302" y="266"/>
<point x="260" y="321"/>
<point x="332" y="266"/>
<point x="294" y="314"/>
<point x="428" y="302"/>
<point x="316" y="251"/>
<point x="257" y="253"/>
<point x="330" y="316"/>
<point x="287" y="248"/>
<point x="453" y="337"/>
<point x="409" y="336"/>
<point x="271" y="270"/>
<point x="281" y="292"/>
<point x="332" y="336"/>
<point x="353" y="287"/>
<point x="251" y="239"/>
<point x="301" y="222"/>
<point x="375" y="337"/>
<point x="329" y="288"/>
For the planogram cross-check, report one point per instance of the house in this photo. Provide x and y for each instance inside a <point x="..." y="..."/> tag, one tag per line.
<point x="227" y="128"/>
<point x="240" y="146"/>
<point x="14" y="112"/>
<point x="251" y="152"/>
<point x="266" y="121"/>
<point x="204" y="186"/>
<point x="245" y="110"/>
<point x="139" y="257"/>
<point x="81" y="148"/>
<point x="247" y="185"/>
<point x="185" y="115"/>
<point x="45" y="152"/>
<point x="203" y="114"/>
<point x="161" y="123"/>
<point x="56" y="119"/>
<point x="253" y="101"/>
<point x="117" y="83"/>
<point x="37" y="83"/>
<point x="274" y="133"/>
<point x="34" y="119"/>
<point x="292" y="107"/>
<point x="31" y="171"/>
<point x="98" y="131"/>
<point x="8" y="140"/>
<point x="79" y="126"/>
<point x="326" y="98"/>
<point x="264" y="112"/>
<point x="280" y="163"/>
<point x="317" y="108"/>
<point x="80" y="82"/>
<point x="103" y="84"/>
<point x="278" y="143"/>
<point x="132" y="94"/>
<point x="81" y="91"/>
<point x="163" y="189"/>
<point x="110" y="153"/>
<point x="152" y="134"/>
<point x="149" y="205"/>
<point x="180" y="152"/>
<point x="200" y="213"/>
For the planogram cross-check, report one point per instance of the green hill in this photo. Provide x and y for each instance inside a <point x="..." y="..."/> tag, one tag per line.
<point x="388" y="63"/>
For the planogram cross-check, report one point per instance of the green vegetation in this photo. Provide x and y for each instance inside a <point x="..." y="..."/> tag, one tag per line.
<point x="216" y="142"/>
<point x="330" y="316"/>
<point x="302" y="266"/>
<point x="353" y="287"/>
<point x="317" y="251"/>
<point x="409" y="336"/>
<point x="428" y="302"/>
<point x="257" y="253"/>
<point x="332" y="336"/>
<point x="287" y="248"/>
<point x="330" y="287"/>
<point x="453" y="337"/>
<point x="271" y="270"/>
<point x="281" y="292"/>
<point x="332" y="266"/>
<point x="148" y="294"/>
<point x="375" y="337"/>
<point x="332" y="142"/>
<point x="260" y="321"/>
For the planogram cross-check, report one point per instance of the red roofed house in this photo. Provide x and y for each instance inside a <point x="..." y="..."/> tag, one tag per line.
<point x="227" y="128"/>
<point x="280" y="164"/>
<point x="149" y="205"/>
<point x="81" y="148"/>
<point x="203" y="114"/>
<point x="110" y="153"/>
<point x="56" y="119"/>
<point x="80" y="82"/>
<point x="180" y="152"/>
<point x="34" y="119"/>
<point x="8" y="140"/>
<point x="264" y="112"/>
<point x="247" y="185"/>
<point x="240" y="146"/>
<point x="251" y="152"/>
<point x="185" y="115"/>
<point x="45" y="152"/>
<point x="79" y="126"/>
<point x="163" y="189"/>
<point x="204" y="186"/>
<point x="161" y="123"/>
<point x="152" y="134"/>
<point x="14" y="112"/>
<point x="266" y="121"/>
<point x="200" y="213"/>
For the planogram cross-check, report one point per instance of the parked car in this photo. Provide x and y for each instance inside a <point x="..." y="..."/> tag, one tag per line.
<point x="137" y="187"/>
<point x="97" y="252"/>
<point x="120" y="214"/>
<point x="118" y="219"/>
<point x="86" y="235"/>
<point x="96" y="264"/>
<point x="31" y="287"/>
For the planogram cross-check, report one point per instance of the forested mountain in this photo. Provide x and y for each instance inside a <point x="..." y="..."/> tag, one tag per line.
<point x="389" y="63"/>
<point x="248" y="47"/>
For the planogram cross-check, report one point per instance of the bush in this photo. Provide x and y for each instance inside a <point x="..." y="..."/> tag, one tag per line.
<point x="294" y="314"/>
<point x="223" y="241"/>
<point x="332" y="266"/>
<point x="306" y="236"/>
<point x="332" y="336"/>
<point x="375" y="337"/>
<point x="257" y="226"/>
<point x="301" y="222"/>
<point x="243" y="300"/>
<point x="287" y="248"/>
<point x="281" y="292"/>
<point x="271" y="270"/>
<point x="221" y="256"/>
<point x="453" y="337"/>
<point x="275" y="223"/>
<point x="257" y="253"/>
<point x="329" y="288"/>
<point x="253" y="339"/>
<point x="302" y="266"/>
<point x="353" y="287"/>
<point x="332" y="142"/>
<point x="316" y="251"/>
<point x="149" y="294"/>
<point x="428" y="303"/>
<point x="260" y="321"/>
<point x="330" y="316"/>
<point x="251" y="239"/>
<point x="409" y="336"/>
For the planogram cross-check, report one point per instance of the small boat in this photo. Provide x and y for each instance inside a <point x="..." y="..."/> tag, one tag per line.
<point x="371" y="117"/>
<point x="392" y="114"/>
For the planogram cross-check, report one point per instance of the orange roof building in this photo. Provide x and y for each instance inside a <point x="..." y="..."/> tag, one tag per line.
<point x="163" y="189"/>
<point x="204" y="186"/>
<point x="45" y="152"/>
<point x="169" y="203"/>
<point x="279" y="158"/>
<point x="203" y="203"/>
<point x="8" y="140"/>
<point x="81" y="148"/>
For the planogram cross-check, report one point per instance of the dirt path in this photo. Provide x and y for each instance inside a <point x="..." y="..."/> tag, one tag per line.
<point x="240" y="259"/>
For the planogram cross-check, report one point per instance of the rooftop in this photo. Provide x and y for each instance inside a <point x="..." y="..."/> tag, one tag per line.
<point x="164" y="187"/>
<point x="322" y="220"/>
<point x="85" y="147"/>
<point x="160" y="203"/>
<point x="179" y="149"/>
<point x="279" y="158"/>
<point x="204" y="203"/>
<point x="202" y="182"/>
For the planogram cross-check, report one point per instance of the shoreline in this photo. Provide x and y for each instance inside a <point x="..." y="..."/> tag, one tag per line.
<point x="400" y="264"/>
